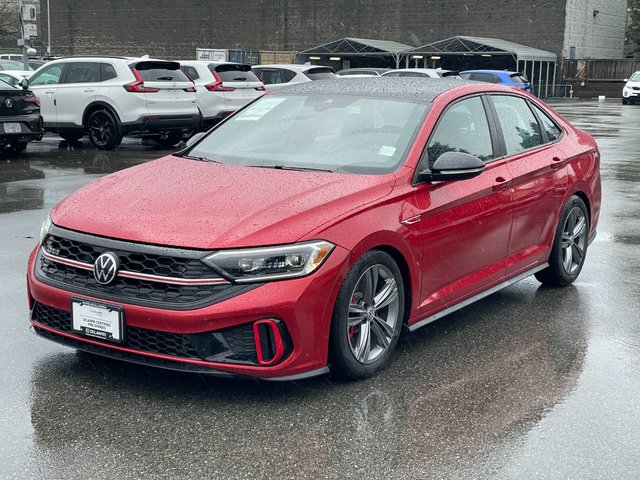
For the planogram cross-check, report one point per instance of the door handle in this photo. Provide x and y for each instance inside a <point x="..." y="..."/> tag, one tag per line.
<point x="90" y="90"/>
<point x="51" y="92"/>
<point x="500" y="184"/>
<point x="557" y="163"/>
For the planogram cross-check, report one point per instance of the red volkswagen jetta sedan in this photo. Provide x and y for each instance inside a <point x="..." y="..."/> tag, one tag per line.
<point x="301" y="234"/>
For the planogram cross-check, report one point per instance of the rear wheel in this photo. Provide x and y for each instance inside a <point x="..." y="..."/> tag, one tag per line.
<point x="71" y="135"/>
<point x="569" y="247"/>
<point x="19" y="147"/>
<point x="367" y="317"/>
<point x="169" y="139"/>
<point x="104" y="130"/>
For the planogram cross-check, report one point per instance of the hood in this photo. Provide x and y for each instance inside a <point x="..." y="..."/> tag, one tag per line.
<point x="186" y="203"/>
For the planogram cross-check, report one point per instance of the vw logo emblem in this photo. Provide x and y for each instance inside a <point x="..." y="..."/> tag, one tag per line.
<point x="8" y="103"/>
<point x="106" y="267"/>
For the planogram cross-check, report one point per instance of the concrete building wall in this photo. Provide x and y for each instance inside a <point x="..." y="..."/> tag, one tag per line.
<point x="175" y="28"/>
<point x="595" y="28"/>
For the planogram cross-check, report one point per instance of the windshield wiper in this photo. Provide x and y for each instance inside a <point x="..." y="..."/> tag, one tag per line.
<point x="289" y="167"/>
<point x="201" y="159"/>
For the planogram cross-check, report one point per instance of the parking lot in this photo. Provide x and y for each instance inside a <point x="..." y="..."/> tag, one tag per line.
<point x="528" y="383"/>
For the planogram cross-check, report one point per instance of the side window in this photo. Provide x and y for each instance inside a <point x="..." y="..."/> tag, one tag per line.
<point x="6" y="78"/>
<point x="107" y="72"/>
<point x="191" y="72"/>
<point x="553" y="131"/>
<point x="48" y="75"/>
<point x="463" y="128"/>
<point x="519" y="126"/>
<point x="83" y="72"/>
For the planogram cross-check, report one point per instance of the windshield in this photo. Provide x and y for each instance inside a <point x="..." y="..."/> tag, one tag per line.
<point x="635" y="77"/>
<point x="338" y="133"/>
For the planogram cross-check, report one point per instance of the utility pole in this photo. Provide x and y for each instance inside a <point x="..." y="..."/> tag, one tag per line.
<point x="28" y="28"/>
<point x="48" y="30"/>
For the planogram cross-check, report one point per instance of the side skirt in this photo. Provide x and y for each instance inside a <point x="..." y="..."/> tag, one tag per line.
<point x="475" y="298"/>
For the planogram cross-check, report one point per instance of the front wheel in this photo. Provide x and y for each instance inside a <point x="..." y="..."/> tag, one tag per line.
<point x="104" y="130"/>
<point x="169" y="139"/>
<point x="569" y="246"/>
<point x="367" y="317"/>
<point x="625" y="101"/>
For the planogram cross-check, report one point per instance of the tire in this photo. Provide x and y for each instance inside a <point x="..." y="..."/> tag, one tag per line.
<point x="104" y="130"/>
<point x="19" y="147"/>
<point x="169" y="139"/>
<point x="625" y="101"/>
<point x="569" y="248"/>
<point x="70" y="135"/>
<point x="363" y="336"/>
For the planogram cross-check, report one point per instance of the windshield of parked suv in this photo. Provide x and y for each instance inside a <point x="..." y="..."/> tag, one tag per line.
<point x="635" y="77"/>
<point x="338" y="133"/>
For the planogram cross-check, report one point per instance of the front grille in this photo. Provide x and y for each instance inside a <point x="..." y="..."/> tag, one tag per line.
<point x="147" y="263"/>
<point x="70" y="256"/>
<point x="233" y="344"/>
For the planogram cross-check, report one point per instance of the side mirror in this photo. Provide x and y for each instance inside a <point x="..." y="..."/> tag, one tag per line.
<point x="24" y="84"/>
<point x="625" y="80"/>
<point x="194" y="139"/>
<point x="454" y="166"/>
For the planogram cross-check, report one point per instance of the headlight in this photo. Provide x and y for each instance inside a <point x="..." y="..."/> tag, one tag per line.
<point x="45" y="227"/>
<point x="271" y="263"/>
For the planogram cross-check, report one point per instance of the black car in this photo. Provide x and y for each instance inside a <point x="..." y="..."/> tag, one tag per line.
<point x="20" y="119"/>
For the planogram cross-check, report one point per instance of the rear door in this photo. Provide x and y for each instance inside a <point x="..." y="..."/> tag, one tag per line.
<point x="168" y="91"/>
<point x="239" y="84"/>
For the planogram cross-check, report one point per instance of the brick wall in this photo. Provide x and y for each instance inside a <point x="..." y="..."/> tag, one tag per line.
<point x="175" y="28"/>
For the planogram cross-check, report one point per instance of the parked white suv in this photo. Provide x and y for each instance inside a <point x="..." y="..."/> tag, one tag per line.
<point x="631" y="90"/>
<point x="110" y="97"/>
<point x="276" y="75"/>
<point x="223" y="88"/>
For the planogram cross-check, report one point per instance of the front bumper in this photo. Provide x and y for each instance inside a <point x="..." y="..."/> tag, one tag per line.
<point x="304" y="307"/>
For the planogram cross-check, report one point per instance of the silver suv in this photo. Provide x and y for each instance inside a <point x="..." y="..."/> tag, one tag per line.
<point x="110" y="97"/>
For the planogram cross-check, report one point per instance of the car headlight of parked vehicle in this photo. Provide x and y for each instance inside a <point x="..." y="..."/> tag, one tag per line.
<point x="270" y="263"/>
<point x="45" y="227"/>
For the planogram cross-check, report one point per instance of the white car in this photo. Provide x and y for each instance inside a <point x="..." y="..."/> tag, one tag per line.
<point x="277" y="75"/>
<point x="361" y="72"/>
<point x="110" y="97"/>
<point x="631" y="90"/>
<point x="13" y="77"/>
<point x="223" y="88"/>
<point x="421" y="72"/>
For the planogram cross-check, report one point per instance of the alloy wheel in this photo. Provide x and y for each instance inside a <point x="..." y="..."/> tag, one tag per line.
<point x="373" y="314"/>
<point x="574" y="240"/>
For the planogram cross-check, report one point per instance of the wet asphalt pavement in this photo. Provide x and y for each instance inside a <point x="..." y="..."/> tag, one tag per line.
<point x="530" y="383"/>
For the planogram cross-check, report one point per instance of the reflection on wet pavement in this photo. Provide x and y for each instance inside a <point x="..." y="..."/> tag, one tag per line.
<point x="531" y="382"/>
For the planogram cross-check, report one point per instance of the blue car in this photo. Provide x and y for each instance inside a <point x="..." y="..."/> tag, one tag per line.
<point x="504" y="77"/>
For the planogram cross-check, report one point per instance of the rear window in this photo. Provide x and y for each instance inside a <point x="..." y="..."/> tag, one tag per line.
<point x="517" y="78"/>
<point x="234" y="73"/>
<point x="161" y="72"/>
<point x="481" y="77"/>
<point x="320" y="73"/>
<point x="270" y="76"/>
<point x="191" y="72"/>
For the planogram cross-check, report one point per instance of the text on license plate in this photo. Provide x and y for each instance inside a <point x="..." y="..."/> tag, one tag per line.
<point x="12" y="127"/>
<point x="97" y="320"/>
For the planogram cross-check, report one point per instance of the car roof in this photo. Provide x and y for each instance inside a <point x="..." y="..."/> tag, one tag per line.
<point x="17" y="73"/>
<point x="502" y="72"/>
<point x="292" y="66"/>
<point x="407" y="88"/>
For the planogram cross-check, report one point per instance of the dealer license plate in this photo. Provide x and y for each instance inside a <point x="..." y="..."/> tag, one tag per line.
<point x="12" y="127"/>
<point x="98" y="320"/>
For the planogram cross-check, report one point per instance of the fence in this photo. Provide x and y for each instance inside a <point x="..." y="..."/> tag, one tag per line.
<point x="599" y="70"/>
